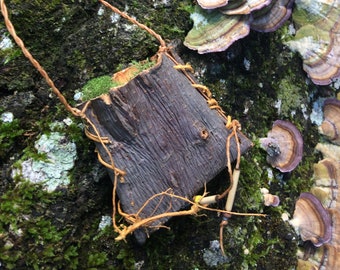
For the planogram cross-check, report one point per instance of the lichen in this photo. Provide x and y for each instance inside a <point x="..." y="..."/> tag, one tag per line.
<point x="213" y="256"/>
<point x="60" y="155"/>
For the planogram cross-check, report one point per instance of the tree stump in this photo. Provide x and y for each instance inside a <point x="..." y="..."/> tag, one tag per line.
<point x="163" y="134"/>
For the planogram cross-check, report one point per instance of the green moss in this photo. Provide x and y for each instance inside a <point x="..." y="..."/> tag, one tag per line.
<point x="9" y="54"/>
<point x="77" y="57"/>
<point x="96" y="87"/>
<point x="142" y="65"/>
<point x="186" y="6"/>
<point x="166" y="26"/>
<point x="302" y="180"/>
<point x="23" y="222"/>
<point x="103" y="84"/>
<point x="35" y="234"/>
<point x="31" y="238"/>
<point x="9" y="132"/>
<point x="97" y="259"/>
<point x="290" y="96"/>
<point x="127" y="258"/>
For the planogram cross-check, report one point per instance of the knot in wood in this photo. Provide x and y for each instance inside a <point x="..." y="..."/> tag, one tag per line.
<point x="204" y="134"/>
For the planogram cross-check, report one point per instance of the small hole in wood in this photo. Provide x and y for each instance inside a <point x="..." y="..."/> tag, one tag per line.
<point x="204" y="134"/>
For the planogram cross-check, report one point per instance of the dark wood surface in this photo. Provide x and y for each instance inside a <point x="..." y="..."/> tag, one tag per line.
<point x="164" y="135"/>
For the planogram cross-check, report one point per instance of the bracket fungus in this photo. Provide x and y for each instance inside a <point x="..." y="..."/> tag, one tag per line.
<point x="325" y="192"/>
<point x="317" y="38"/>
<point x="284" y="146"/>
<point x="214" y="30"/>
<point x="325" y="189"/>
<point x="335" y="215"/>
<point x="330" y="127"/>
<point x="312" y="220"/>
<point x="209" y="4"/>
<point x="243" y="7"/>
<point x="326" y="178"/>
<point x="272" y="17"/>
<point x="329" y="150"/>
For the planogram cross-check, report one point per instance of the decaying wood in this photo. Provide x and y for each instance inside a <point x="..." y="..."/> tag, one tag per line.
<point x="163" y="134"/>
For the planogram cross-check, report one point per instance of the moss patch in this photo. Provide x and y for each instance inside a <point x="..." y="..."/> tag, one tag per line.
<point x="24" y="222"/>
<point x="9" y="132"/>
<point x="103" y="84"/>
<point x="97" y="86"/>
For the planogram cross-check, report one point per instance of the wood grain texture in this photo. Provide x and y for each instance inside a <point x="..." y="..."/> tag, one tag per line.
<point x="164" y="135"/>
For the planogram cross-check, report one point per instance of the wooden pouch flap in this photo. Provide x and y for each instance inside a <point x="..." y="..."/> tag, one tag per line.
<point x="159" y="129"/>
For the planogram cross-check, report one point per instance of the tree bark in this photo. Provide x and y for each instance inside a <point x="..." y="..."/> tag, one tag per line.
<point x="164" y="135"/>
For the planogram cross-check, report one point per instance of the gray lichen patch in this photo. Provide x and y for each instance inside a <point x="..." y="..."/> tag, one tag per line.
<point x="53" y="171"/>
<point x="213" y="256"/>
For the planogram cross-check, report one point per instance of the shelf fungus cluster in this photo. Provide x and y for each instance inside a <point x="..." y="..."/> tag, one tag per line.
<point x="330" y="127"/>
<point x="284" y="146"/>
<point x="218" y="24"/>
<point x="317" y="213"/>
<point x="317" y="38"/>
